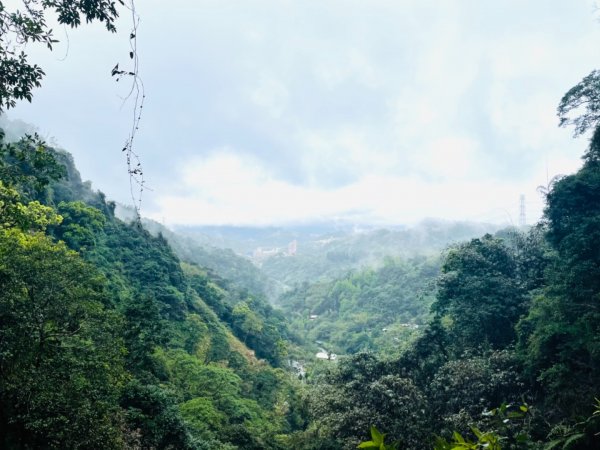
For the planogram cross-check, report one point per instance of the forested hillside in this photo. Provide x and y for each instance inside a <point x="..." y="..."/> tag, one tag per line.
<point x="498" y="363"/>
<point x="109" y="341"/>
<point x="324" y="252"/>
<point x="333" y="256"/>
<point x="374" y="309"/>
<point x="510" y="356"/>
<point x="223" y="262"/>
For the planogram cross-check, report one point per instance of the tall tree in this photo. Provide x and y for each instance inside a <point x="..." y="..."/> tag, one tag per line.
<point x="361" y="393"/>
<point x="479" y="300"/>
<point x="560" y="338"/>
<point x="61" y="361"/>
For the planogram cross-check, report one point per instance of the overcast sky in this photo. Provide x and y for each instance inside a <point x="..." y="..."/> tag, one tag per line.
<point x="276" y="111"/>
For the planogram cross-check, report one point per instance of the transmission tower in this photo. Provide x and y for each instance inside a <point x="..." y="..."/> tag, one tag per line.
<point x="522" y="216"/>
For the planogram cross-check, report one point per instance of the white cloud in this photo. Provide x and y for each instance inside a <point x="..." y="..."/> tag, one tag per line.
<point x="270" y="94"/>
<point x="230" y="189"/>
<point x="350" y="64"/>
<point x="448" y="158"/>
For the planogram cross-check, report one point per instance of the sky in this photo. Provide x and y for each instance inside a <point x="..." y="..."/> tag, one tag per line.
<point x="373" y="112"/>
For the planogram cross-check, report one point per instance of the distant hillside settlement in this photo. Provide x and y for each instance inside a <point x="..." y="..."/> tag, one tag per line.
<point x="260" y="254"/>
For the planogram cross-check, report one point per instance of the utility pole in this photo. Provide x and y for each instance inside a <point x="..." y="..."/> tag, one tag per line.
<point x="522" y="216"/>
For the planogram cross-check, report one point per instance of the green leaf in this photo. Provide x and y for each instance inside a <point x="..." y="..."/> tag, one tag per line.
<point x="572" y="439"/>
<point x="476" y="432"/>
<point x="552" y="444"/>
<point x="368" y="444"/>
<point x="457" y="437"/>
<point x="377" y="436"/>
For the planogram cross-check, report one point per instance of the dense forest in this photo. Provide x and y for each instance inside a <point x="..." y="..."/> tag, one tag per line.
<point x="374" y="309"/>
<point x="118" y="333"/>
<point x="109" y="341"/>
<point x="509" y="358"/>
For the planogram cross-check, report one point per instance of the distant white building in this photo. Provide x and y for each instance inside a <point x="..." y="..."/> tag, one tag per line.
<point x="326" y="355"/>
<point x="263" y="253"/>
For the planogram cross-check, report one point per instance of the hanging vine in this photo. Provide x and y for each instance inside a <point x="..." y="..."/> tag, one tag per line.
<point x="137" y="183"/>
